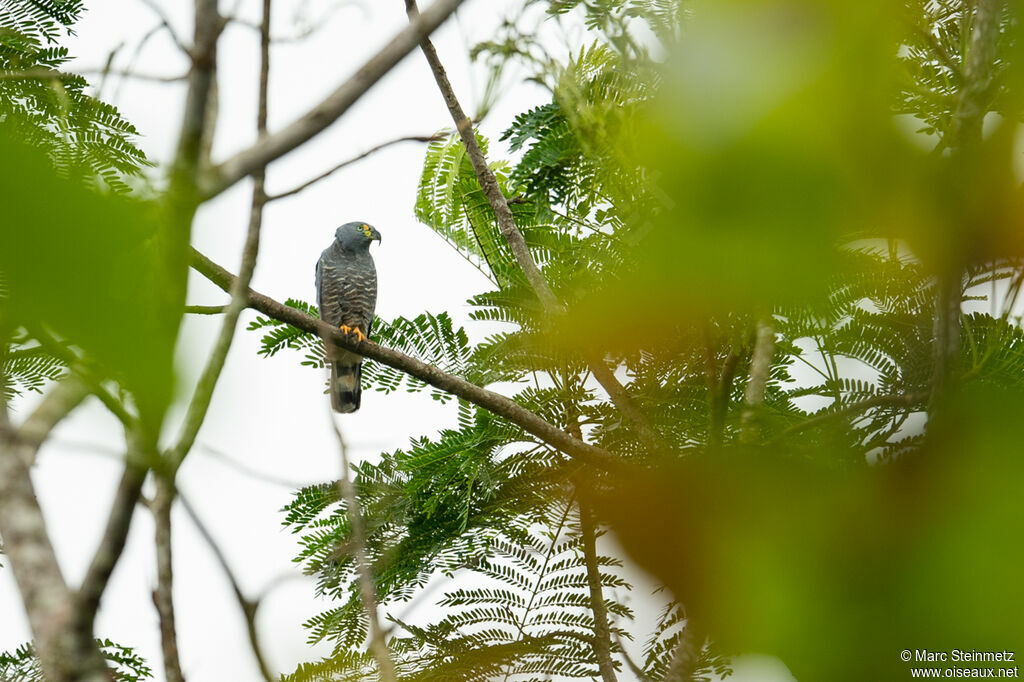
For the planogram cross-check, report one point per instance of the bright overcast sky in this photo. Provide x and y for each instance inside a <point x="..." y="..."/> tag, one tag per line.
<point x="268" y="415"/>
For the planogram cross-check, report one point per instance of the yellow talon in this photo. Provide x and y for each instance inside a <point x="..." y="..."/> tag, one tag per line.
<point x="360" y="336"/>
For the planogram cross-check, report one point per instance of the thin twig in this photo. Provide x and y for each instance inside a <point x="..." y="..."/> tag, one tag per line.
<point x="634" y="667"/>
<point x="378" y="645"/>
<point x="205" y="309"/>
<point x="249" y="607"/>
<point x="349" y="162"/>
<point x="905" y="400"/>
<point x="226" y="459"/>
<point x="166" y="24"/>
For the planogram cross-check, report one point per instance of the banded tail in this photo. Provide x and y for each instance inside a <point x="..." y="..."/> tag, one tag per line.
<point x="344" y="386"/>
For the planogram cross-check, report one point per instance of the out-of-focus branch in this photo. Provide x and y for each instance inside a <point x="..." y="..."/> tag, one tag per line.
<point x="978" y="73"/>
<point x="760" y="366"/>
<point x="203" y="394"/>
<point x="183" y="198"/>
<point x="245" y="470"/>
<point x="96" y="387"/>
<point x="517" y="243"/>
<point x="111" y="546"/>
<point x="327" y="111"/>
<point x="249" y="607"/>
<point x="58" y="403"/>
<point x="368" y="591"/>
<point x="904" y="400"/>
<point x="41" y="73"/>
<point x="684" y="659"/>
<point x="965" y="137"/>
<point x="718" y="384"/>
<point x="67" y="652"/>
<point x="163" y="597"/>
<point x="195" y="120"/>
<point x="349" y="162"/>
<point x="165" y="23"/>
<point x="205" y="309"/>
<point x="493" y="402"/>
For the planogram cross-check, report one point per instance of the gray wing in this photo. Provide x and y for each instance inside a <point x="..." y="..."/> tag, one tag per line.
<point x="319" y="284"/>
<point x="347" y="290"/>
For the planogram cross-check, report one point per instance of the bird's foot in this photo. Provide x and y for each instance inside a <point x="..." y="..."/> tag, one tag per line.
<point x="360" y="336"/>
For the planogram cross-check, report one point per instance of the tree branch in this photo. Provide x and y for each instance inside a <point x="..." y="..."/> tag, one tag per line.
<point x="602" y="631"/>
<point x="517" y="243"/>
<point x="111" y="546"/>
<point x="972" y="106"/>
<point x="166" y="24"/>
<point x="56" y="404"/>
<point x="207" y="383"/>
<point x="71" y="359"/>
<point x="760" y="366"/>
<point x="205" y="309"/>
<point x="248" y="607"/>
<point x="493" y="402"/>
<point x="163" y="597"/>
<point x="368" y="591"/>
<point x="67" y="652"/>
<point x="349" y="162"/>
<point x="905" y="400"/>
<point x="327" y="111"/>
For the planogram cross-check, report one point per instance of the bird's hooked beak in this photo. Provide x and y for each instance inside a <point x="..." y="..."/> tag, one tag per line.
<point x="374" y="234"/>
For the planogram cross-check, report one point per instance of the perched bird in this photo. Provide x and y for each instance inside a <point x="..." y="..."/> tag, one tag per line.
<point x="346" y="291"/>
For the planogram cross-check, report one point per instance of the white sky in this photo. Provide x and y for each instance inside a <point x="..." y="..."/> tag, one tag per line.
<point x="270" y="415"/>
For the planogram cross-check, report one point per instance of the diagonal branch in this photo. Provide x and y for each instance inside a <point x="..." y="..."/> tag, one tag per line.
<point x="67" y="652"/>
<point x="129" y="491"/>
<point x="165" y="23"/>
<point x="334" y="105"/>
<point x="249" y="607"/>
<point x="517" y="243"/>
<point x="56" y="404"/>
<point x="489" y="400"/>
<point x="348" y="162"/>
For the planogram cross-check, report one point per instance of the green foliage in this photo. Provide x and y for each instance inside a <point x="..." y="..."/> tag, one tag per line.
<point x="93" y="271"/>
<point x="85" y="139"/>
<point x="21" y="665"/>
<point x="672" y="208"/>
<point x="27" y="367"/>
<point x="84" y="272"/>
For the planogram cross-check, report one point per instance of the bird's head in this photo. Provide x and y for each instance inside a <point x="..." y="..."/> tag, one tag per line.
<point x="356" y="236"/>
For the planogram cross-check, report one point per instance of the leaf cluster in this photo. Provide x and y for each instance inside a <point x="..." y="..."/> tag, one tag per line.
<point x="85" y="138"/>
<point x="22" y="665"/>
